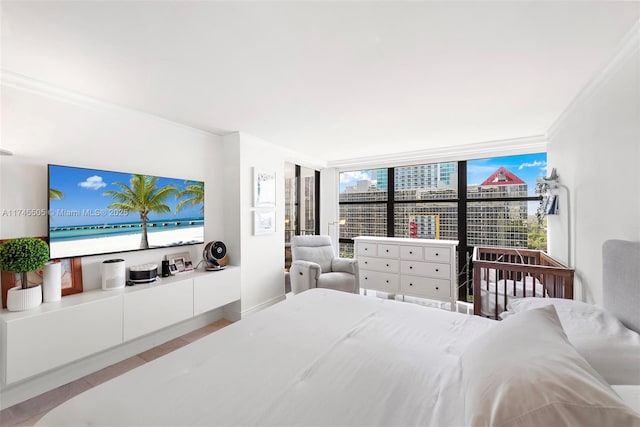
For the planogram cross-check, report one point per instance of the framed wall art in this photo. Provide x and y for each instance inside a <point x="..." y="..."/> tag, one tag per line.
<point x="264" y="188"/>
<point x="264" y="222"/>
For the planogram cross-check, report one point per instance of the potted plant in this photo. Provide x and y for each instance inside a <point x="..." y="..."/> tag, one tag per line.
<point x="21" y="256"/>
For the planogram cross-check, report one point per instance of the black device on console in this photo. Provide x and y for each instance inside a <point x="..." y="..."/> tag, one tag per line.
<point x="214" y="256"/>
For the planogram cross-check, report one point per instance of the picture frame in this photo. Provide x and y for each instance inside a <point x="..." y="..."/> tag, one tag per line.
<point x="179" y="263"/>
<point x="173" y="270"/>
<point x="182" y="261"/>
<point x="71" y="276"/>
<point x="264" y="222"/>
<point x="264" y="188"/>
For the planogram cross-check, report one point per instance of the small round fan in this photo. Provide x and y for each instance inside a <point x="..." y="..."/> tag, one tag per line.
<point x="214" y="255"/>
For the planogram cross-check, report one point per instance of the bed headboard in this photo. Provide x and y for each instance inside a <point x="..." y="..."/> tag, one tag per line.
<point x="621" y="281"/>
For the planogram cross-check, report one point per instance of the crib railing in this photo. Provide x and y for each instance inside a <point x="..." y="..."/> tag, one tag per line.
<point x="501" y="274"/>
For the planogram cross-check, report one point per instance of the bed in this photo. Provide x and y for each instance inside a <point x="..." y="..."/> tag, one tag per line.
<point x="329" y="358"/>
<point x="501" y="275"/>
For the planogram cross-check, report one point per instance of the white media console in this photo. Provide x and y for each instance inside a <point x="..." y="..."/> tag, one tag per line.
<point x="79" y="326"/>
<point x="414" y="267"/>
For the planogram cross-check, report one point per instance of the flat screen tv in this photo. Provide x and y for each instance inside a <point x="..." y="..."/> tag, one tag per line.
<point x="95" y="212"/>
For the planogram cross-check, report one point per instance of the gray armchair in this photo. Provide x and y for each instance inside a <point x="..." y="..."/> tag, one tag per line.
<point x="315" y="266"/>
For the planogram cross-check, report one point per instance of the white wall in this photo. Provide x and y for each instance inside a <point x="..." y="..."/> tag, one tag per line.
<point x="43" y="127"/>
<point x="263" y="255"/>
<point x="595" y="147"/>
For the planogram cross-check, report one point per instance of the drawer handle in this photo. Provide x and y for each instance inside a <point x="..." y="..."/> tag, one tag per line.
<point x="410" y="252"/>
<point x="437" y="254"/>
<point x="366" y="278"/>
<point x="437" y="270"/>
<point x="366" y="249"/>
<point x="437" y="288"/>
<point x="366" y="262"/>
<point x="411" y="267"/>
<point x="387" y="281"/>
<point x="410" y="284"/>
<point x="387" y="251"/>
<point x="387" y="265"/>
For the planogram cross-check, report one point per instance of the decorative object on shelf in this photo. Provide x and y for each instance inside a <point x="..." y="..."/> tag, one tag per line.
<point x="264" y="222"/>
<point x="144" y="273"/>
<point x="182" y="261"/>
<point x="23" y="255"/>
<point x="264" y="188"/>
<point x="113" y="274"/>
<point x="52" y="282"/>
<point x="215" y="256"/>
<point x="165" y="268"/>
<point x="70" y="276"/>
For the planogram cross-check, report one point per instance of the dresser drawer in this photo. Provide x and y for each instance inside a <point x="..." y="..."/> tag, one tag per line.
<point x="429" y="269"/>
<point x="437" y="254"/>
<point x="379" y="264"/>
<point x="389" y="251"/>
<point x="378" y="281"/>
<point x="367" y="249"/>
<point x="411" y="252"/>
<point x="425" y="287"/>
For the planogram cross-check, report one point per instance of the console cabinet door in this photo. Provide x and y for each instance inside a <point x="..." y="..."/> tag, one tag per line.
<point x="215" y="289"/>
<point x="156" y="307"/>
<point x="36" y="344"/>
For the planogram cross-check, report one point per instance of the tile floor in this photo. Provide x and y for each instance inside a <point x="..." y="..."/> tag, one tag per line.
<point x="27" y="413"/>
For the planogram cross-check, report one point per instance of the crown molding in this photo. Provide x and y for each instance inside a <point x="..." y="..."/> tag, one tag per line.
<point x="504" y="147"/>
<point x="629" y="46"/>
<point x="38" y="87"/>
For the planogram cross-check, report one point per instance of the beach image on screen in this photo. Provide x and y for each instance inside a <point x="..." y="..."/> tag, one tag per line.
<point x="97" y="212"/>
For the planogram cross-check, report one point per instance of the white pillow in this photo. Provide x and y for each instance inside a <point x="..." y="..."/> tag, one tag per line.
<point x="524" y="372"/>
<point x="611" y="348"/>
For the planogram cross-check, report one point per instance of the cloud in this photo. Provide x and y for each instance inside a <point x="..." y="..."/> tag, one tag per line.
<point x="535" y="164"/>
<point x="93" y="183"/>
<point x="351" y="177"/>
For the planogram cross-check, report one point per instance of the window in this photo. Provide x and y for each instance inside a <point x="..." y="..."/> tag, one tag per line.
<point x="502" y="201"/>
<point x="489" y="202"/>
<point x="301" y="204"/>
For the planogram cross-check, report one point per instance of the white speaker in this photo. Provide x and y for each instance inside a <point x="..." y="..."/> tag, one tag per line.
<point x="113" y="274"/>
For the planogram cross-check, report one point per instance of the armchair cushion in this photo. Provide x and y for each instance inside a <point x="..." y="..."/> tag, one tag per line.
<point x="344" y="265"/>
<point x="338" y="281"/>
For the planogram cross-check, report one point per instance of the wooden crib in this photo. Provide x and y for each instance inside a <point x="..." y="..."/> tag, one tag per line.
<point x="501" y="274"/>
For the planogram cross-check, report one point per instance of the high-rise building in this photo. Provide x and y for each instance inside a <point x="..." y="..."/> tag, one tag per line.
<point x="489" y="222"/>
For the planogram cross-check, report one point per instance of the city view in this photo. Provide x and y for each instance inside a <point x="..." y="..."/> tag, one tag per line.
<point x="500" y="202"/>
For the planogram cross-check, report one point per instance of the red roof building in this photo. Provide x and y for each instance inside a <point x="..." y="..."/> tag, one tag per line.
<point x="502" y="177"/>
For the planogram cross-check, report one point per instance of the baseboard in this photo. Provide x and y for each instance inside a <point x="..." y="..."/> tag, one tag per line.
<point x="263" y="305"/>
<point x="24" y="390"/>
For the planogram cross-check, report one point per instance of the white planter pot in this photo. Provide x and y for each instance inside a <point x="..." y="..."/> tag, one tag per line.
<point x="19" y="299"/>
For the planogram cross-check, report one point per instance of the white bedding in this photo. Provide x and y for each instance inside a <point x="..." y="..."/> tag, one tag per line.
<point x="320" y="358"/>
<point x="488" y="293"/>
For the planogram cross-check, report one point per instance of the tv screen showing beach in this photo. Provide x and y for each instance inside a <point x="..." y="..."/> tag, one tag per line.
<point x="97" y="212"/>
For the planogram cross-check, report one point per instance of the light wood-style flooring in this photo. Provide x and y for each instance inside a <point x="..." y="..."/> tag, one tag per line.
<point x="27" y="413"/>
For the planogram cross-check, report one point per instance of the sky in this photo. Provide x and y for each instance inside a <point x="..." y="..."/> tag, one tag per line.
<point x="83" y="190"/>
<point x="527" y="167"/>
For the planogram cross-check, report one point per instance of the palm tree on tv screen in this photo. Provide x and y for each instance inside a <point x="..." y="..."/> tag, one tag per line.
<point x="195" y="196"/>
<point x="142" y="196"/>
<point x="55" y="194"/>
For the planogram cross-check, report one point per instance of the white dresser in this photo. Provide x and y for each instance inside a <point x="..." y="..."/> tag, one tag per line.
<point x="413" y="267"/>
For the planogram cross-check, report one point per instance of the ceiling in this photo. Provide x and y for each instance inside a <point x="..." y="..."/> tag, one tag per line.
<point x="332" y="80"/>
